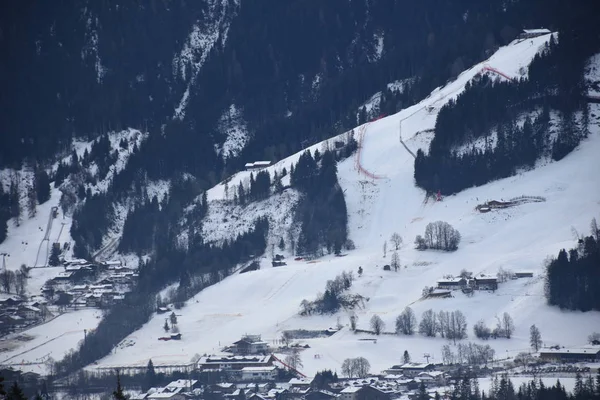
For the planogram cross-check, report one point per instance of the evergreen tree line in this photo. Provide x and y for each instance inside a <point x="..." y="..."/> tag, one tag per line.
<point x="10" y="207"/>
<point x="555" y="83"/>
<point x="196" y="268"/>
<point x="573" y="277"/>
<point x="502" y="388"/>
<point x="322" y="210"/>
<point x="258" y="189"/>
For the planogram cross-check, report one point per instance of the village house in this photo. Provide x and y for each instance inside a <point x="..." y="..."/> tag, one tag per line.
<point x="167" y="394"/>
<point x="433" y="378"/>
<point x="228" y="363"/>
<point x="28" y="312"/>
<point x="320" y="395"/>
<point x="413" y="369"/>
<point x="267" y="373"/>
<point x="250" y="344"/>
<point x="298" y="384"/>
<point x="93" y="300"/>
<point x="363" y="392"/>
<point x="186" y="385"/>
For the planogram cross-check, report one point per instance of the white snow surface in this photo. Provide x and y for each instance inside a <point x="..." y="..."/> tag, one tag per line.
<point x="224" y="218"/>
<point x="30" y="350"/>
<point x="267" y="301"/>
<point x="233" y="126"/>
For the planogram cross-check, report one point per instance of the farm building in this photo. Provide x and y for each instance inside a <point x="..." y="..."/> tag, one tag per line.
<point x="591" y="354"/>
<point x="485" y="283"/>
<point x="452" y="283"/>
<point x="257" y="165"/>
<point x="531" y="33"/>
<point x="523" y="274"/>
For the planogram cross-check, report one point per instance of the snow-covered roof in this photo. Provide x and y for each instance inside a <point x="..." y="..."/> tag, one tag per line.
<point x="182" y="383"/>
<point x="541" y="31"/>
<point x="452" y="280"/>
<point x="351" y="389"/>
<point x="433" y="374"/>
<point x="574" y="350"/>
<point x="416" y="366"/>
<point x="300" y="381"/>
<point x="259" y="369"/>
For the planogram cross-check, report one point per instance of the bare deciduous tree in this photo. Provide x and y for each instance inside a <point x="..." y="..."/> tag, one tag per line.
<point x="406" y="323"/>
<point x="428" y="325"/>
<point x="361" y="367"/>
<point x="7" y="280"/>
<point x="377" y="324"/>
<point x="535" y="338"/>
<point x="396" y="240"/>
<point x="481" y="330"/>
<point x="505" y="326"/>
<point x="395" y="263"/>
<point x="294" y="360"/>
<point x="384" y="248"/>
<point x="20" y="283"/>
<point x="353" y="321"/>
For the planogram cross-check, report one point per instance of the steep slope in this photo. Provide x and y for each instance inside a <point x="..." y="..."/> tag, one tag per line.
<point x="267" y="301"/>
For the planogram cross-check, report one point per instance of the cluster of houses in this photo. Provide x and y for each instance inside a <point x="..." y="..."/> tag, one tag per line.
<point x="86" y="284"/>
<point x="398" y="381"/>
<point x="17" y="313"/>
<point x="468" y="284"/>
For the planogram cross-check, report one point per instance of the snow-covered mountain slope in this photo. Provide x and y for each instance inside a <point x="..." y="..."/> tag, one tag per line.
<point x="267" y="301"/>
<point x="26" y="241"/>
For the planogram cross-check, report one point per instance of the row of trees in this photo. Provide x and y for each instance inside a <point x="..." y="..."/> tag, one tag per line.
<point x="451" y="325"/>
<point x="504" y="328"/>
<point x="573" y="277"/>
<point x="439" y="235"/>
<point x="467" y="353"/>
<point x="14" y="280"/>
<point x="356" y="367"/>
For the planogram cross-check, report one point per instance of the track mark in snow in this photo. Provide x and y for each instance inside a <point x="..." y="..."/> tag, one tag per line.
<point x="285" y="284"/>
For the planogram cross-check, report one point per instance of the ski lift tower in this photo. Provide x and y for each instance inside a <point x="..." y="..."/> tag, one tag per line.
<point x="427" y="356"/>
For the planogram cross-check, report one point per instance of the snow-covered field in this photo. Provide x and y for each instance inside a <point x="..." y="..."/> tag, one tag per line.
<point x="267" y="301"/>
<point x="30" y="350"/>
